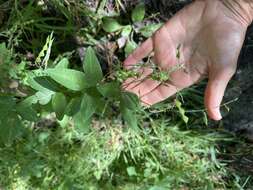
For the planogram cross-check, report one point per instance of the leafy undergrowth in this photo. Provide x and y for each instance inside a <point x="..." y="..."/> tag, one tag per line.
<point x="65" y="121"/>
<point x="111" y="157"/>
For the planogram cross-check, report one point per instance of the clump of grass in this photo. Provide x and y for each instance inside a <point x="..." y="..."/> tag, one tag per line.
<point x="112" y="157"/>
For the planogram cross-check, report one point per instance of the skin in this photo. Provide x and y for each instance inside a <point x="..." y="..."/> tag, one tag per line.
<point x="209" y="36"/>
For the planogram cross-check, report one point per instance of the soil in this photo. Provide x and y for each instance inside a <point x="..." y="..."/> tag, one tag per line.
<point x="240" y="118"/>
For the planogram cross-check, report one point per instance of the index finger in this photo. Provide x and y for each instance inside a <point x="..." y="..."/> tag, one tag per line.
<point x="139" y="53"/>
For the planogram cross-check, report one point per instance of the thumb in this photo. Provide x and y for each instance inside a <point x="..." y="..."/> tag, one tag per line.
<point x="215" y="90"/>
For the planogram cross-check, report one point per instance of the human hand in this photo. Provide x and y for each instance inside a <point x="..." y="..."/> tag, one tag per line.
<point x="206" y="38"/>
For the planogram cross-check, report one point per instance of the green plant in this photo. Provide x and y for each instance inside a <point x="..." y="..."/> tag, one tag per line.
<point x="67" y="124"/>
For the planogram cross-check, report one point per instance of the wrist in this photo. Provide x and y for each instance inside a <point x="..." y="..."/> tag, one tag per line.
<point x="241" y="10"/>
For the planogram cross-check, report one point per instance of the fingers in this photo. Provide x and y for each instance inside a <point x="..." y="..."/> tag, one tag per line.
<point x="215" y="90"/>
<point x="131" y="83"/>
<point x="158" y="94"/>
<point x="139" y="53"/>
<point x="180" y="79"/>
<point x="164" y="50"/>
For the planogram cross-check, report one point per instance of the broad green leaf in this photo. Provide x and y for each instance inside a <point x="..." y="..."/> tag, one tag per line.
<point x="69" y="78"/>
<point x="63" y="63"/>
<point x="129" y="116"/>
<point x="83" y="118"/>
<point x="44" y="97"/>
<point x="92" y="68"/>
<point x="149" y="30"/>
<point x="111" y="24"/>
<point x="130" y="101"/>
<point x="11" y="128"/>
<point x="30" y="81"/>
<point x="29" y="101"/>
<point x="27" y="112"/>
<point x="138" y="13"/>
<point x="126" y="31"/>
<point x="181" y="111"/>
<point x="130" y="47"/>
<point x="110" y="90"/>
<point x="73" y="106"/>
<point x="48" y="83"/>
<point x="59" y="103"/>
<point x="7" y="103"/>
<point x="82" y="124"/>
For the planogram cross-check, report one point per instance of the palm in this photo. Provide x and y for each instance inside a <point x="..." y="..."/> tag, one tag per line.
<point x="205" y="40"/>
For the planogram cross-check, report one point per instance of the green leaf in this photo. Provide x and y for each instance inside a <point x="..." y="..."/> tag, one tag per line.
<point x="11" y="128"/>
<point x="110" y="24"/>
<point x="130" y="100"/>
<point x="63" y="63"/>
<point x="149" y="30"/>
<point x="73" y="106"/>
<point x="110" y="90"/>
<point x="69" y="78"/>
<point x="7" y="103"/>
<point x="29" y="101"/>
<point x="131" y="171"/>
<point x="92" y="68"/>
<point x="181" y="111"/>
<point x="5" y="55"/>
<point x="130" y="47"/>
<point x="83" y="118"/>
<point x="126" y="31"/>
<point x="33" y="83"/>
<point x="138" y="13"/>
<point x="64" y="122"/>
<point x="27" y="112"/>
<point x="59" y="103"/>
<point x="44" y="97"/>
<point x="48" y="83"/>
<point x="129" y="116"/>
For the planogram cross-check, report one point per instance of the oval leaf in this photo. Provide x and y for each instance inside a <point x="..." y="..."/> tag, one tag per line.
<point x="48" y="83"/>
<point x="63" y="63"/>
<point x="110" y="90"/>
<point x="126" y="31"/>
<point x="74" y="106"/>
<point x="69" y="78"/>
<point x="83" y="118"/>
<point x="59" y="104"/>
<point x="130" y="47"/>
<point x="129" y="116"/>
<point x="92" y="68"/>
<point x="130" y="100"/>
<point x="111" y="24"/>
<point x="149" y="30"/>
<point x="138" y="13"/>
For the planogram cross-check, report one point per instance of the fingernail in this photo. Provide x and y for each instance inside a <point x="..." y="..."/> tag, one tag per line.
<point x="217" y="114"/>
